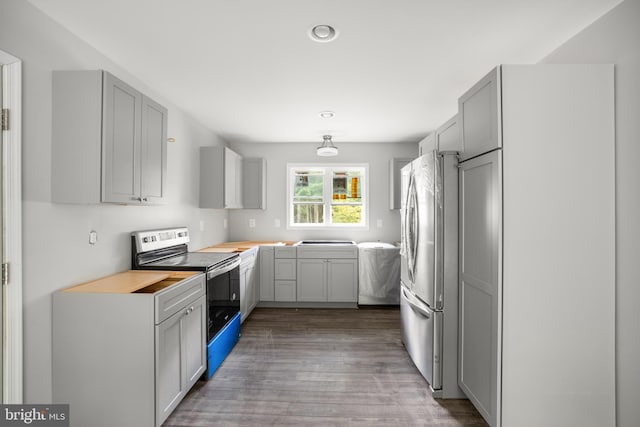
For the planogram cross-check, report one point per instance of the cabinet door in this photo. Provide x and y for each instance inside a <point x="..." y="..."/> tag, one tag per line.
<point x="121" y="141"/>
<point x="395" y="181"/>
<point x="480" y="116"/>
<point x="153" y="179"/>
<point x="252" y="289"/>
<point x="312" y="280"/>
<point x="448" y="136"/>
<point x="427" y="144"/>
<point x="342" y="280"/>
<point x="247" y="290"/>
<point x="232" y="179"/>
<point x="170" y="387"/>
<point x="244" y="300"/>
<point x="266" y="273"/>
<point x="254" y="183"/>
<point x="480" y="283"/>
<point x="193" y="346"/>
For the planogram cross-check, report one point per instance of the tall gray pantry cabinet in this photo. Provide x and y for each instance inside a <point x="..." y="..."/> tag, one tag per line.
<point x="537" y="246"/>
<point x="109" y="141"/>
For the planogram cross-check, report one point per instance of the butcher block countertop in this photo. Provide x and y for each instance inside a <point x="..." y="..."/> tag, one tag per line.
<point x="242" y="246"/>
<point x="131" y="281"/>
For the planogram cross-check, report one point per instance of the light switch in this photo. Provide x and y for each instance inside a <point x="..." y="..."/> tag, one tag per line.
<point x="276" y="223"/>
<point x="93" y="237"/>
<point x="225" y="223"/>
<point x="252" y="223"/>
<point x="379" y="223"/>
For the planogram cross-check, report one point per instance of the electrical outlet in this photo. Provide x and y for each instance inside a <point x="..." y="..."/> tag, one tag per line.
<point x="379" y="223"/>
<point x="276" y="223"/>
<point x="93" y="237"/>
<point x="252" y="223"/>
<point x="225" y="223"/>
<point x="201" y="225"/>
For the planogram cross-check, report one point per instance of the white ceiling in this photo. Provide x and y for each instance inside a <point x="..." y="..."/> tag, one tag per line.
<point x="247" y="69"/>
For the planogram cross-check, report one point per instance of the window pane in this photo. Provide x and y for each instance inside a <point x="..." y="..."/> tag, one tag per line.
<point x="308" y="214"/>
<point x="346" y="214"/>
<point x="308" y="186"/>
<point x="347" y="187"/>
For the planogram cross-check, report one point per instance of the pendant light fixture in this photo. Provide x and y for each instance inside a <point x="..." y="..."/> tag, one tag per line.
<point x="327" y="148"/>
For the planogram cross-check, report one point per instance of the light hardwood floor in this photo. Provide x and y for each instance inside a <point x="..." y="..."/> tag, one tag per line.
<point x="321" y="367"/>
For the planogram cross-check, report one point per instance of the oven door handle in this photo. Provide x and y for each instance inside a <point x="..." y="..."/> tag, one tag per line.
<point x="227" y="266"/>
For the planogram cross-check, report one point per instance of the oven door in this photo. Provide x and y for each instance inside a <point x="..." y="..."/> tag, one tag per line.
<point x="223" y="295"/>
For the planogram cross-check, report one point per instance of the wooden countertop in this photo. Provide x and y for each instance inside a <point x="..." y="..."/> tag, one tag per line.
<point x="128" y="282"/>
<point x="242" y="246"/>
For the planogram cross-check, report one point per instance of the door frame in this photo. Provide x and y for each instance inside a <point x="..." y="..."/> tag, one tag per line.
<point x="12" y="375"/>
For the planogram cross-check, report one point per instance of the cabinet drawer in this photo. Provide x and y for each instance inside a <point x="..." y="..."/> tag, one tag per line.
<point x="175" y="297"/>
<point x="319" y="251"/>
<point x="285" y="290"/>
<point x="286" y="252"/>
<point x="285" y="269"/>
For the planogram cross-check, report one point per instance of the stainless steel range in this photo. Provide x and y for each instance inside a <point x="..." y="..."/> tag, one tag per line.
<point x="167" y="249"/>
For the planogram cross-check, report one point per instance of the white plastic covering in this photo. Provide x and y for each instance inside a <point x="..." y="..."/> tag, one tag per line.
<point x="379" y="273"/>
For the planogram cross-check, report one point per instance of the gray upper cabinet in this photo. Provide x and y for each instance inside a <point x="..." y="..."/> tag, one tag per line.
<point x="447" y="137"/>
<point x="395" y="165"/>
<point x="254" y="183"/>
<point x="220" y="178"/>
<point x="427" y="144"/>
<point x="153" y="177"/>
<point x="109" y="141"/>
<point x="480" y="117"/>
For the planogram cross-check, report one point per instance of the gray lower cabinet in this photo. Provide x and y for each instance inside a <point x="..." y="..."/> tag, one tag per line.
<point x="312" y="280"/>
<point x="267" y="285"/>
<point x="332" y="280"/>
<point x="285" y="274"/>
<point x="249" y="286"/>
<point x="109" y="141"/>
<point x="179" y="357"/>
<point x="328" y="273"/>
<point x="127" y="358"/>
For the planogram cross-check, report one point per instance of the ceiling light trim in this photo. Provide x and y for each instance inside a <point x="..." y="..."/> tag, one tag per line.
<point x="323" y="33"/>
<point x="327" y="114"/>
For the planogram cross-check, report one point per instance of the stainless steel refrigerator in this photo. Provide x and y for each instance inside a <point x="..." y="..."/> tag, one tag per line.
<point x="429" y="269"/>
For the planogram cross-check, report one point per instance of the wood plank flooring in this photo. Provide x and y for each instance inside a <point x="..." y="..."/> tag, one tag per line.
<point x="319" y="367"/>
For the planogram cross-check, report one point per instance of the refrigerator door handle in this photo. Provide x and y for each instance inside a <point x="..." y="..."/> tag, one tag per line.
<point x="413" y="197"/>
<point x="410" y="227"/>
<point x="418" y="307"/>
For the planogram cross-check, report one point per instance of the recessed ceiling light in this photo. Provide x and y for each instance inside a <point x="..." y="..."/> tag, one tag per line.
<point x="326" y="114"/>
<point x="323" y="33"/>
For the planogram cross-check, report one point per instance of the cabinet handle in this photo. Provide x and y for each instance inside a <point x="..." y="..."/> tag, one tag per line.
<point x="144" y="199"/>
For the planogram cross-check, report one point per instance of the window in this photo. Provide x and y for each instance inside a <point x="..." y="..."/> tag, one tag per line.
<point x="327" y="196"/>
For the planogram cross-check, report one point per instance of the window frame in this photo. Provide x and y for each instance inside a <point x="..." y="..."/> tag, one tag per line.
<point x="328" y="169"/>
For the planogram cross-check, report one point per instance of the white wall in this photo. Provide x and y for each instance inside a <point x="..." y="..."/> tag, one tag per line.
<point x="278" y="155"/>
<point x="56" y="249"/>
<point x="615" y="38"/>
